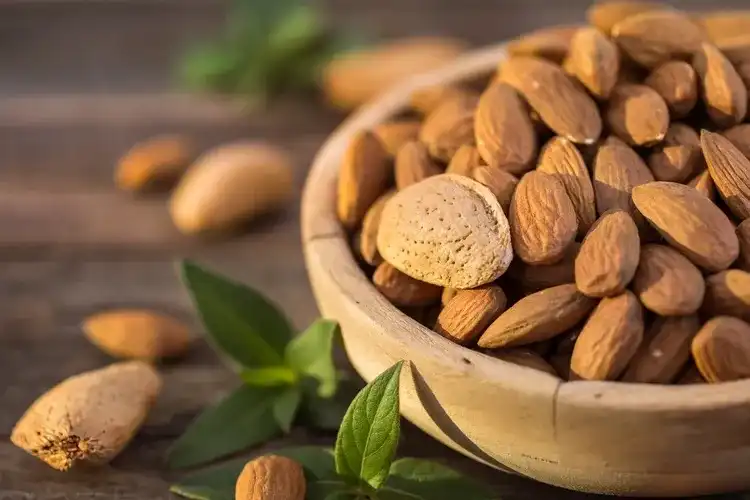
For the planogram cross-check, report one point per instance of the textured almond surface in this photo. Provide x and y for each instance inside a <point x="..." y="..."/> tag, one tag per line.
<point x="609" y="339"/>
<point x="739" y="135"/>
<point x="449" y="126"/>
<point x="501" y="183"/>
<point x="561" y="159"/>
<point x="88" y="418"/>
<point x="413" y="164"/>
<point x="723" y="91"/>
<point x="505" y="136"/>
<point x="156" y="162"/>
<point x="404" y="290"/>
<point x="743" y="234"/>
<point x="730" y="171"/>
<point x="368" y="240"/>
<point x="728" y="294"/>
<point x="538" y="317"/>
<point x="464" y="161"/>
<point x="393" y="135"/>
<point x="606" y="14"/>
<point x="690" y="222"/>
<point x="448" y="230"/>
<point x="524" y="357"/>
<point x="680" y="155"/>
<point x="665" y="351"/>
<point x="551" y="43"/>
<point x="532" y="278"/>
<point x="637" y="114"/>
<point x="721" y="349"/>
<point x="609" y="256"/>
<point x="469" y="312"/>
<point x="140" y="334"/>
<point x="676" y="83"/>
<point x="667" y="283"/>
<point x="704" y="184"/>
<point x="594" y="60"/>
<point x="271" y="477"/>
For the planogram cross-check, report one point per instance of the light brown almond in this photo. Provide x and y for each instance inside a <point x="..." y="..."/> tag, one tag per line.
<point x="88" y="418"/>
<point x="562" y="159"/>
<point x="413" y="164"/>
<point x="609" y="339"/>
<point x="428" y="99"/>
<point x="464" y="161"/>
<point x="723" y="24"/>
<point x="667" y="283"/>
<point x="690" y="222"/>
<point x="609" y="256"/>
<point x="665" y="351"/>
<point x="154" y="164"/>
<point x="743" y="234"/>
<point x="691" y="376"/>
<point x="393" y="135"/>
<point x="271" y="477"/>
<point x="730" y="171"/>
<point x="637" y="114"/>
<point x="704" y="184"/>
<point x="538" y="317"/>
<point x="470" y="312"/>
<point x="447" y="230"/>
<point x="138" y="334"/>
<point x="551" y="43"/>
<point x="501" y="183"/>
<point x="595" y="61"/>
<point x="679" y="157"/>
<point x="505" y="136"/>
<point x="542" y="219"/>
<point x="606" y="14"/>
<point x="723" y="91"/>
<point x="721" y="349"/>
<point x="532" y="278"/>
<point x="403" y="290"/>
<point x="728" y="294"/>
<point x="448" y="127"/>
<point x="561" y="104"/>
<point x="739" y="135"/>
<point x="655" y="37"/>
<point x="368" y="240"/>
<point x="677" y="83"/>
<point x="524" y="357"/>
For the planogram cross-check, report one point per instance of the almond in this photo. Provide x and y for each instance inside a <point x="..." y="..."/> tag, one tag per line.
<point x="677" y="83"/>
<point x="154" y="163"/>
<point x="413" y="164"/>
<point x="730" y="171"/>
<point x="447" y="230"/>
<point x="728" y="294"/>
<point x="427" y="99"/>
<point x="743" y="234"/>
<point x="595" y="60"/>
<point x="721" y="349"/>
<point x="655" y="37"/>
<point x="665" y="351"/>
<point x="464" y="161"/>
<point x="403" y="290"/>
<point x="368" y="240"/>
<point x="393" y="135"/>
<point x="679" y="156"/>
<point x="139" y="334"/>
<point x="562" y="105"/>
<point x="533" y="278"/>
<point x="561" y="364"/>
<point x="609" y="339"/>
<point x="704" y="184"/>
<point x="505" y="136"/>
<point x="470" y="312"/>
<point x="739" y="135"/>
<point x="271" y="477"/>
<point x="561" y="159"/>
<point x="722" y="24"/>
<point x="690" y="222"/>
<point x="501" y="183"/>
<point x="538" y="317"/>
<point x="667" y="283"/>
<point x="524" y="357"/>
<point x="606" y="14"/>
<point x="542" y="219"/>
<point x="551" y="43"/>
<point x="365" y="174"/>
<point x="448" y="127"/>
<point x="88" y="418"/>
<point x="722" y="88"/>
<point x="637" y="114"/>
<point x="609" y="256"/>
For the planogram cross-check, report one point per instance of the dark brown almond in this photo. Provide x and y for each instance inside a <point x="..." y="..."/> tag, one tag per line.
<point x="532" y="278"/>
<point x="723" y="91"/>
<point x="728" y="294"/>
<point x="428" y="99"/>
<point x="413" y="164"/>
<point x="679" y="157"/>
<point x="721" y="349"/>
<point x="730" y="171"/>
<point x="595" y="61"/>
<point x="501" y="183"/>
<point x="739" y="135"/>
<point x="470" y="312"/>
<point x="464" y="161"/>
<point x="676" y="83"/>
<point x="524" y="357"/>
<point x="449" y="126"/>
<point x="368" y="239"/>
<point x="637" y="114"/>
<point x="704" y="184"/>
<point x="395" y="134"/>
<point x="743" y="234"/>
<point x="403" y="290"/>
<point x="606" y="14"/>
<point x="551" y="43"/>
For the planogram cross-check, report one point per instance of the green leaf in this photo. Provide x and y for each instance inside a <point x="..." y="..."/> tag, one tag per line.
<point x="415" y="479"/>
<point x="244" y="418"/>
<point x="271" y="376"/>
<point x="327" y="413"/>
<point x="285" y="407"/>
<point x="311" y="354"/>
<point x="241" y="322"/>
<point x="369" y="433"/>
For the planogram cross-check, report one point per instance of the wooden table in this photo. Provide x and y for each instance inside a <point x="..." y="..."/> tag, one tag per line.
<point x="80" y="82"/>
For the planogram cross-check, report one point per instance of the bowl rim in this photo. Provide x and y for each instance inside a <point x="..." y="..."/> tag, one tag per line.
<point x="320" y="222"/>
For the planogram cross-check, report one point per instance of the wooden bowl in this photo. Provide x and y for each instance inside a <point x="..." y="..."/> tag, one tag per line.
<point x="601" y="437"/>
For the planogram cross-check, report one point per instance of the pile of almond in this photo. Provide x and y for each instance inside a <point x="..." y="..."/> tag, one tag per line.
<point x="584" y="211"/>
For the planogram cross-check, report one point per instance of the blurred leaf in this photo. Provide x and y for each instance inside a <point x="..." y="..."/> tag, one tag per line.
<point x="271" y="376"/>
<point x="311" y="354"/>
<point x="285" y="407"/>
<point x="327" y="413"/>
<point x="415" y="479"/>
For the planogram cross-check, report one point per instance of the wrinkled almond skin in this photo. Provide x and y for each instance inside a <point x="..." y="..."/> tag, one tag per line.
<point x="561" y="159"/>
<point x="730" y="171"/>
<point x="532" y="278"/>
<point x="413" y="164"/>
<point x="137" y="334"/>
<point x="739" y="135"/>
<point x="665" y="351"/>
<point x="154" y="163"/>
<point x="542" y="219"/>
<point x="88" y="418"/>
<point x="403" y="290"/>
<point x="365" y="174"/>
<point x="609" y="339"/>
<point x="368" y="240"/>
<point x="609" y="256"/>
<point x="690" y="222"/>
<point x="447" y="230"/>
<point x="271" y="477"/>
<point x="538" y="317"/>
<point x="505" y="137"/>
<point x="743" y="234"/>
<point x="464" y="161"/>
<point x="448" y="127"/>
<point x="704" y="184"/>
<point x="667" y="283"/>
<point x="524" y="357"/>
<point x="679" y="157"/>
<point x="677" y="83"/>
<point x="469" y="313"/>
<point x="595" y="61"/>
<point x="501" y="183"/>
<point x="728" y="294"/>
<point x="721" y="349"/>
<point x="723" y="91"/>
<point x="393" y="135"/>
<point x="551" y="43"/>
<point x="637" y="114"/>
<point x="606" y="14"/>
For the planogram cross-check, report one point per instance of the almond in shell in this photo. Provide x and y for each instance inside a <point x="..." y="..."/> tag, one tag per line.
<point x="723" y="91"/>
<point x="464" y="161"/>
<point x="501" y="183"/>
<point x="743" y="234"/>
<point x="448" y="127"/>
<point x="470" y="312"/>
<point x="393" y="135"/>
<point x="676" y="83"/>
<point x="728" y="294"/>
<point x="368" y="240"/>
<point x="414" y="164"/>
<point x="679" y="156"/>
<point x="595" y="61"/>
<point x="730" y="171"/>
<point x="637" y="114"/>
<point x="403" y="290"/>
<point x="271" y="477"/>
<point x="721" y="349"/>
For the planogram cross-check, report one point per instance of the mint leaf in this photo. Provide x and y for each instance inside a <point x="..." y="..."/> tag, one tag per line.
<point x="242" y="324"/>
<point x="415" y="479"/>
<point x="269" y="376"/>
<point x="311" y="354"/>
<point x="370" y="431"/>
<point x="285" y="407"/>
<point x="242" y="419"/>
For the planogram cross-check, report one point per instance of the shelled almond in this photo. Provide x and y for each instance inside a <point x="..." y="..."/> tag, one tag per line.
<point x="587" y="214"/>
